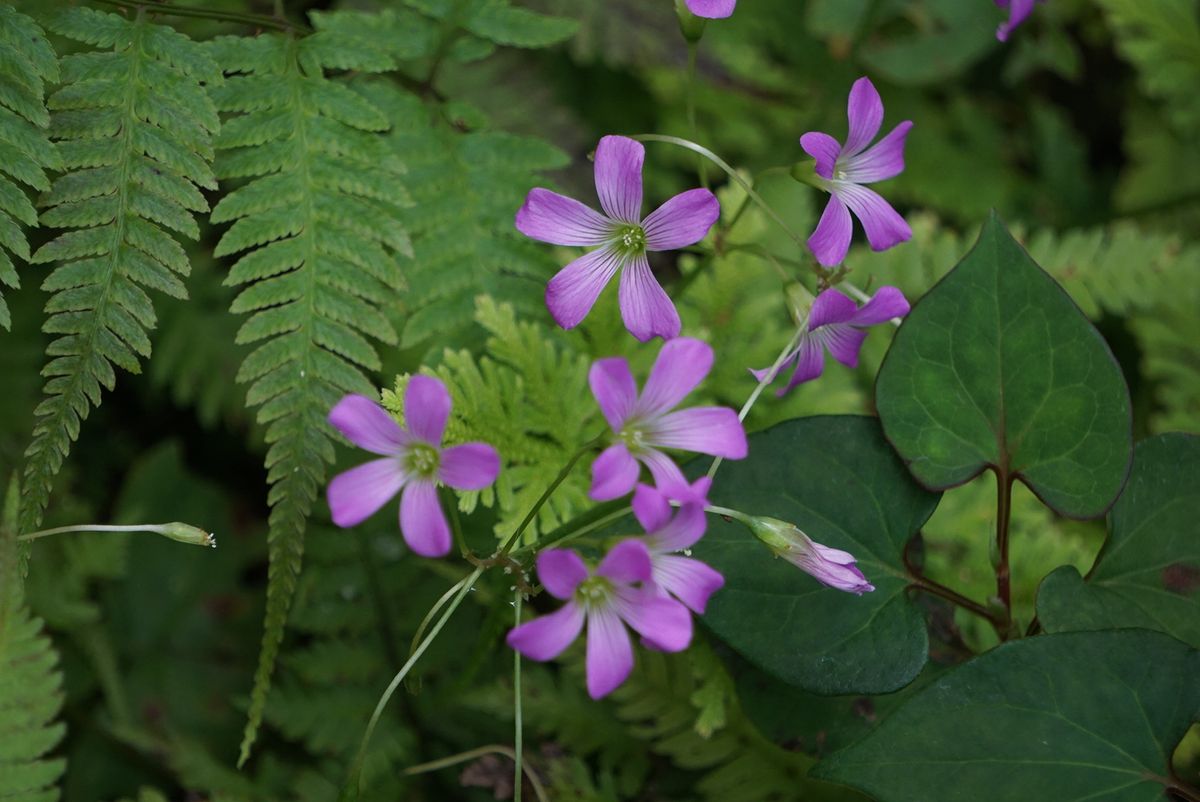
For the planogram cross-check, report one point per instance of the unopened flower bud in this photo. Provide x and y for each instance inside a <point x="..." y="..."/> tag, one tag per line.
<point x="799" y="301"/>
<point x="186" y="533"/>
<point x="691" y="26"/>
<point x="806" y="173"/>
<point x="831" y="567"/>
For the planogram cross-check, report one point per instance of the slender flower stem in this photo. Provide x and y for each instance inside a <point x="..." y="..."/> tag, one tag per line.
<point x="350" y="790"/>
<point x="584" y="524"/>
<point x="725" y="512"/>
<point x="256" y="20"/>
<point x="518" y="754"/>
<point x="437" y="605"/>
<point x="463" y="757"/>
<point x="450" y="502"/>
<point x="184" y="533"/>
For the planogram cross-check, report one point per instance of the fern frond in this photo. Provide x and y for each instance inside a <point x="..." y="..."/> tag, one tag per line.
<point x="466" y="189"/>
<point x="134" y="125"/>
<point x="30" y="683"/>
<point x="318" y="226"/>
<point x="27" y="62"/>
<point x="498" y="22"/>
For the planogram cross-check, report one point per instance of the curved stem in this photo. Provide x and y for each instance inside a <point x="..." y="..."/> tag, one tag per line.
<point x="184" y="533"/>
<point x="463" y="757"/>
<point x="437" y="605"/>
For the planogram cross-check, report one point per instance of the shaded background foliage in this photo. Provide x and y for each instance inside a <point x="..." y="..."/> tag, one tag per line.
<point x="1082" y="132"/>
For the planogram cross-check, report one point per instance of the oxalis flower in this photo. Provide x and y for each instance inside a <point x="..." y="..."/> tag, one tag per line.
<point x="841" y="170"/>
<point x="414" y="461"/>
<point x="623" y="237"/>
<point x="836" y="324"/>
<point x="712" y="9"/>
<point x="644" y="424"/>
<point x="619" y="592"/>
<point x="832" y="567"/>
<point x="689" y="580"/>
<point x="1018" y="10"/>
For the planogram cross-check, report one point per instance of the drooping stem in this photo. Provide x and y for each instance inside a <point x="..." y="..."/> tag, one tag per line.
<point x="350" y="790"/>
<point x="518" y="746"/>
<point x="463" y="757"/>
<point x="255" y="20"/>
<point x="1003" y="518"/>
<point x="184" y="533"/>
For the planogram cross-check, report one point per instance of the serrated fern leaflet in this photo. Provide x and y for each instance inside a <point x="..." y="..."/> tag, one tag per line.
<point x="317" y="226"/>
<point x="25" y="150"/>
<point x="134" y="127"/>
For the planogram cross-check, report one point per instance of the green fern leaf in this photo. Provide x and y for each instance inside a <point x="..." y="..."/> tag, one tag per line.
<point x="135" y="126"/>
<point x="26" y="62"/>
<point x="30" y="683"/>
<point x="498" y="22"/>
<point x="318" y="227"/>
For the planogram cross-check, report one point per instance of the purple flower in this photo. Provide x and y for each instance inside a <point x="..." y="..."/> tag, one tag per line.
<point x="688" y="580"/>
<point x="831" y="567"/>
<point x="837" y="324"/>
<point x="644" y="424"/>
<point x="1018" y="11"/>
<point x="843" y="169"/>
<point x="414" y="461"/>
<point x="624" y="238"/>
<point x="620" y="592"/>
<point x="713" y="9"/>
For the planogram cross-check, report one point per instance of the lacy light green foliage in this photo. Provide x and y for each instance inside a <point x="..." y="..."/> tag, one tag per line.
<point x="1162" y="39"/>
<point x="134" y="127"/>
<point x="318" y="224"/>
<point x="27" y="62"/>
<point x="466" y="188"/>
<point x="528" y="396"/>
<point x="30" y="683"/>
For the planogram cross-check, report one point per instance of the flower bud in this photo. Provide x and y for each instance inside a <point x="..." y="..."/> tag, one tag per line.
<point x="691" y="26"/>
<point x="806" y="173"/>
<point x="828" y="566"/>
<point x="185" y="533"/>
<point x="799" y="301"/>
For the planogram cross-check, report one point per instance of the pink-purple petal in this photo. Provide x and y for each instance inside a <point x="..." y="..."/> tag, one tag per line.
<point x="887" y="304"/>
<point x="619" y="162"/>
<point x="667" y="476"/>
<point x="573" y="291"/>
<point x="646" y="308"/>
<point x="559" y="220"/>
<point x="422" y="521"/>
<point x="367" y="425"/>
<point x="609" y="652"/>
<point x="810" y="363"/>
<point x="1018" y="11"/>
<point x="683" y="220"/>
<point x="824" y="148"/>
<point x="864" y="110"/>
<point x="663" y="623"/>
<point x="626" y="563"/>
<point x="357" y="494"/>
<point x="830" y="242"/>
<point x="707" y="430"/>
<point x="712" y="9"/>
<point x="426" y="409"/>
<point x="883" y="224"/>
<point x="690" y="581"/>
<point x="547" y="637"/>
<point x="681" y="532"/>
<point x="831" y="306"/>
<point x="843" y="341"/>
<point x="561" y="571"/>
<point x="679" y="368"/>
<point x="883" y="160"/>
<point x="651" y="508"/>
<point x="471" y="466"/>
<point x="614" y="389"/>
<point x="614" y="473"/>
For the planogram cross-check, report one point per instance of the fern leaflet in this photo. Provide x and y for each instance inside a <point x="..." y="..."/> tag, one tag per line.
<point x="134" y="127"/>
<point x="25" y="151"/>
<point x="317" y="224"/>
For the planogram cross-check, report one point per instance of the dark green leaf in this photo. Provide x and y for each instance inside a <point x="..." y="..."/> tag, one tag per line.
<point x="996" y="367"/>
<point x="1148" y="574"/>
<point x="836" y="478"/>
<point x="1074" y="716"/>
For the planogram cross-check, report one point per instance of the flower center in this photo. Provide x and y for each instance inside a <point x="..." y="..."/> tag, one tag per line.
<point x="633" y="437"/>
<point x="423" y="460"/>
<point x="593" y="591"/>
<point x="631" y="239"/>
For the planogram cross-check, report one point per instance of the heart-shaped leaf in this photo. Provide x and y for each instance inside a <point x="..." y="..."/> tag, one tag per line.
<point x="1067" y="717"/>
<point x="996" y="367"/>
<point x="1148" y="573"/>
<point x="837" y="479"/>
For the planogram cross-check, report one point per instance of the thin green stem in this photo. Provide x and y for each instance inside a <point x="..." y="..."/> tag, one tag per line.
<point x="726" y="512"/>
<point x="255" y="20"/>
<point x="350" y="791"/>
<point x="518" y="747"/>
<point x="581" y="526"/>
<point x="450" y="502"/>
<point x="438" y="605"/>
<point x="184" y="533"/>
<point x="463" y="757"/>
